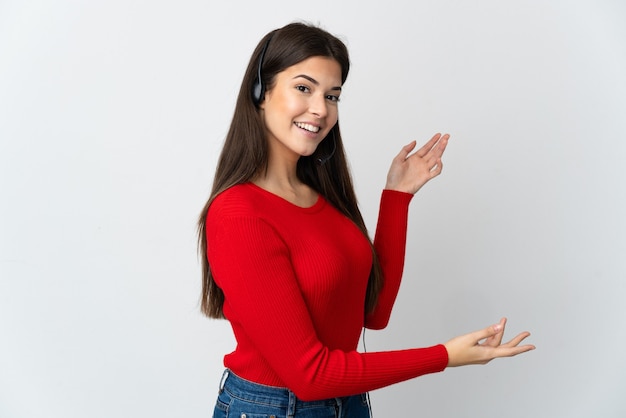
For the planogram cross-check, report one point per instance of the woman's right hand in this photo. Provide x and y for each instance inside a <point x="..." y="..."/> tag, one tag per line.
<point x="480" y="347"/>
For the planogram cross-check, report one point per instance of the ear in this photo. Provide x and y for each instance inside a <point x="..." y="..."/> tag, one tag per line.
<point x="266" y="95"/>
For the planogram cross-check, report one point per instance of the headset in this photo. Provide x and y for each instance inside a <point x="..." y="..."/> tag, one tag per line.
<point x="258" y="88"/>
<point x="323" y="160"/>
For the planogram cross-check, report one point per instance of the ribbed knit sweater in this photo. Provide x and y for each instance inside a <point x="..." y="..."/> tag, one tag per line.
<point x="294" y="281"/>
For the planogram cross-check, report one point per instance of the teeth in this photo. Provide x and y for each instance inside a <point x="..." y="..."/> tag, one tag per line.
<point x="308" y="127"/>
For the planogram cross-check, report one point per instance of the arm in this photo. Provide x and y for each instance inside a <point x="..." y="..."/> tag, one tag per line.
<point x="390" y="246"/>
<point x="263" y="301"/>
<point x="408" y="173"/>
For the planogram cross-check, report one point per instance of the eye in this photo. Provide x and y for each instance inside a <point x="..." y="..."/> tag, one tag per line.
<point x="303" y="89"/>
<point x="332" y="98"/>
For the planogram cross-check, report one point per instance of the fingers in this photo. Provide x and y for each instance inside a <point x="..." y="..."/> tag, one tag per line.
<point x="441" y="145"/>
<point x="427" y="147"/>
<point x="488" y="332"/>
<point x="405" y="151"/>
<point x="436" y="146"/>
<point x="517" y="339"/>
<point x="431" y="152"/>
<point x="512" y="347"/>
<point x="436" y="168"/>
<point x="512" y="351"/>
<point x="437" y="143"/>
<point x="496" y="340"/>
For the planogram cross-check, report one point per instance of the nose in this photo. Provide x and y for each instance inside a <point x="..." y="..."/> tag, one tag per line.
<point x="318" y="105"/>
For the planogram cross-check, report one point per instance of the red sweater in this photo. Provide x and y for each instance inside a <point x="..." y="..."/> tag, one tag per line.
<point x="294" y="281"/>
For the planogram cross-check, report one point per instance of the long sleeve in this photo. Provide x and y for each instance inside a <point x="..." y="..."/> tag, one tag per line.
<point x="291" y="318"/>
<point x="390" y="245"/>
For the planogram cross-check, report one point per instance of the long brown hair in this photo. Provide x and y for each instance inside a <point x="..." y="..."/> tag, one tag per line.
<point x="245" y="150"/>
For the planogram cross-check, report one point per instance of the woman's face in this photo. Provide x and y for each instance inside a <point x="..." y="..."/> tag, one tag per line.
<point x="301" y="108"/>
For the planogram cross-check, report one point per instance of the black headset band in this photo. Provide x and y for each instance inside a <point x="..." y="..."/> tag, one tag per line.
<point x="258" y="88"/>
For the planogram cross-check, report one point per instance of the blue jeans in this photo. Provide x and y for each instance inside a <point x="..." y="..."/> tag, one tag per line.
<point x="240" y="398"/>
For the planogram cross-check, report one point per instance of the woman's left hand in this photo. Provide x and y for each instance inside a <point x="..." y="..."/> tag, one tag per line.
<point x="408" y="173"/>
<point x="468" y="349"/>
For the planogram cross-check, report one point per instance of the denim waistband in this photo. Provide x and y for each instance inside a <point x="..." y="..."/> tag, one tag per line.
<point x="269" y="395"/>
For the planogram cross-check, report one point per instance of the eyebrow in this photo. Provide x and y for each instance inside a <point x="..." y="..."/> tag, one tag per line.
<point x="314" y="81"/>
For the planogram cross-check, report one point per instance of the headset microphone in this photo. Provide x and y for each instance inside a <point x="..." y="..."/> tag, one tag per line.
<point x="323" y="160"/>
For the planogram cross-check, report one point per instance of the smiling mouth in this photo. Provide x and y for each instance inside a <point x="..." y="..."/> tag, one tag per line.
<point x="307" y="127"/>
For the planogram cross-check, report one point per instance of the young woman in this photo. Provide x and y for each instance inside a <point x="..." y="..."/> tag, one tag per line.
<point x="287" y="257"/>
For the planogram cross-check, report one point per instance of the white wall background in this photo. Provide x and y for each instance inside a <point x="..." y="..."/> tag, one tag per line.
<point x="111" y="117"/>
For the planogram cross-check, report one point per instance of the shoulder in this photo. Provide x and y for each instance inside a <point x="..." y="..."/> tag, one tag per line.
<point x="238" y="200"/>
<point x="238" y="215"/>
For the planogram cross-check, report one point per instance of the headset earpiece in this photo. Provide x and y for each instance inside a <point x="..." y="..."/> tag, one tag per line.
<point x="258" y="88"/>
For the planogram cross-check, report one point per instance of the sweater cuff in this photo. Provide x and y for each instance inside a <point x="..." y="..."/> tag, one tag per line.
<point x="396" y="196"/>
<point x="445" y="358"/>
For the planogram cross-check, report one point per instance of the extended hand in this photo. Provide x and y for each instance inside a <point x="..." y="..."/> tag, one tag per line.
<point x="468" y="349"/>
<point x="408" y="173"/>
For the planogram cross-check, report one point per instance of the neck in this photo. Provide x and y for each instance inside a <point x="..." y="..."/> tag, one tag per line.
<point x="281" y="179"/>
